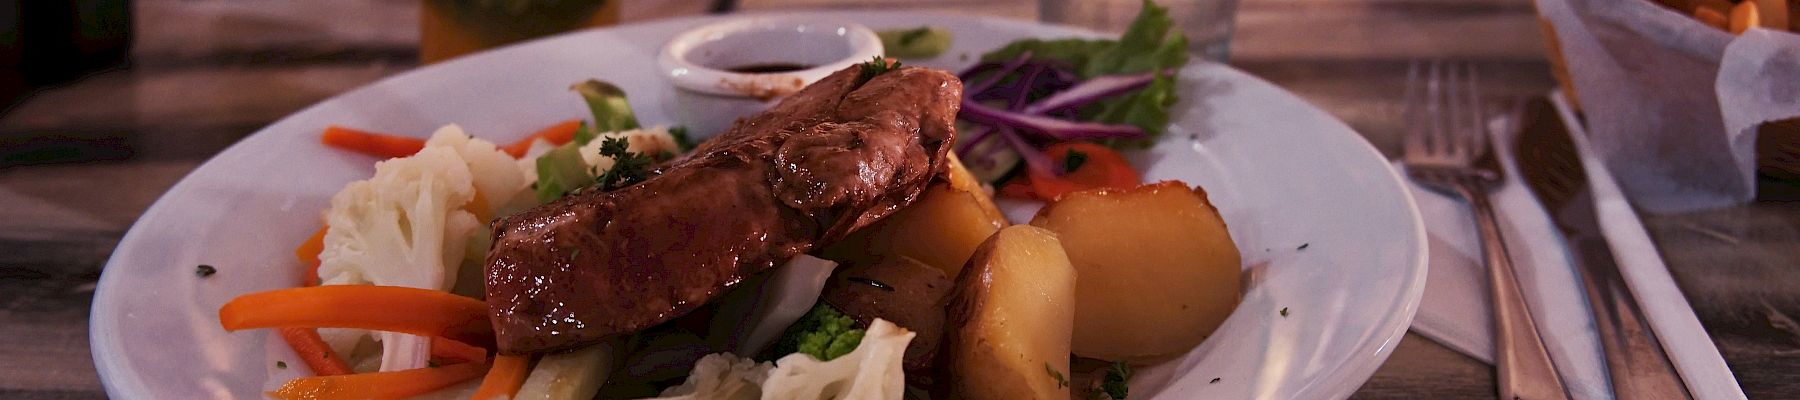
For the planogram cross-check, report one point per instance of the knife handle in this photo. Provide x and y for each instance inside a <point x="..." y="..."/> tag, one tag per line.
<point x="1634" y="358"/>
<point x="1520" y="358"/>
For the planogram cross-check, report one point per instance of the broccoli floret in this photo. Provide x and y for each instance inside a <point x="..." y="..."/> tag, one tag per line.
<point x="825" y="333"/>
<point x="827" y="345"/>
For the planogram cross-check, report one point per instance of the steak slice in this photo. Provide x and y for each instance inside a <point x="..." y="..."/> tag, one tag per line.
<point x="834" y="157"/>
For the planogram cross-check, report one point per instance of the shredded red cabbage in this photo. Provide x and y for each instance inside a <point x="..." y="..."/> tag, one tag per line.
<point x="1046" y="127"/>
<point x="1025" y="102"/>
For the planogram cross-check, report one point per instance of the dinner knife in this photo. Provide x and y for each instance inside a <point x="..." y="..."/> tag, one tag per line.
<point x="1550" y="166"/>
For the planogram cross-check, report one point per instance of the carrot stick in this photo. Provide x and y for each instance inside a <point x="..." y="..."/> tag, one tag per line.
<point x="383" y="308"/>
<point x="503" y="381"/>
<point x="451" y="350"/>
<point x="562" y="132"/>
<point x="374" y="144"/>
<point x="380" y="385"/>
<point x="313" y="350"/>
<point x="308" y="253"/>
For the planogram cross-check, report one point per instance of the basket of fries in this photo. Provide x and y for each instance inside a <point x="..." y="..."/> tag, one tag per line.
<point x="1684" y="99"/>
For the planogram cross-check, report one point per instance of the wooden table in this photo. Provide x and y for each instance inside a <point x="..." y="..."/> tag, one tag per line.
<point x="208" y="72"/>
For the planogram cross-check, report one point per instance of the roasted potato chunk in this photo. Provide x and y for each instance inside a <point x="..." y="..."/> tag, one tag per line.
<point x="940" y="229"/>
<point x="1159" y="271"/>
<point x="1010" y="317"/>
<point x="897" y="289"/>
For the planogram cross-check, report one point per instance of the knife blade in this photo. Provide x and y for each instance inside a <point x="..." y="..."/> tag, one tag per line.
<point x="1549" y="165"/>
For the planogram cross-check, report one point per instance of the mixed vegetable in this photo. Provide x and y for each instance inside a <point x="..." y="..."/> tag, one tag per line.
<point x="390" y="305"/>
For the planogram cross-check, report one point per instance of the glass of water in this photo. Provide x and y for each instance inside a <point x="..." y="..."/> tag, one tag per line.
<point x="1208" y="23"/>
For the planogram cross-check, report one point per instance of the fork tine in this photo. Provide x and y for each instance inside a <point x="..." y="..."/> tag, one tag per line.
<point x="1434" y="103"/>
<point x="1478" y="143"/>
<point x="1468" y="133"/>
<point x="1411" y="100"/>
<point x="1443" y="119"/>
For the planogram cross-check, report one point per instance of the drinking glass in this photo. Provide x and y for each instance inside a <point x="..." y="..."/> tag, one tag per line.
<point x="450" y="28"/>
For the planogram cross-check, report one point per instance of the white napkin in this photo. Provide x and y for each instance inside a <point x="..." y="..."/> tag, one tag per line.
<point x="1455" y="310"/>
<point x="1654" y="82"/>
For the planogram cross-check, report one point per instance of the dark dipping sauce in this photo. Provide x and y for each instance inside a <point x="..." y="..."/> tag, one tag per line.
<point x="769" y="68"/>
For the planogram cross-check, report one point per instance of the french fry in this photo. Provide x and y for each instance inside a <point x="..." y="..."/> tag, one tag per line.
<point x="1774" y="14"/>
<point x="1708" y="16"/>
<point x="1744" y="16"/>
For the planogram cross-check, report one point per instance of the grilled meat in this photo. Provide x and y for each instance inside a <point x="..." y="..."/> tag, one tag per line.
<point x="836" y="156"/>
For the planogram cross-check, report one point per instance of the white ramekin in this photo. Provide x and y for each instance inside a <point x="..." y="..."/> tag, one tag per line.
<point x="700" y="59"/>
<point x="711" y="97"/>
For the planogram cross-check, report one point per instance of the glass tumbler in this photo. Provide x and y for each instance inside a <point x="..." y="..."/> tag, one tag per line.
<point x="450" y="28"/>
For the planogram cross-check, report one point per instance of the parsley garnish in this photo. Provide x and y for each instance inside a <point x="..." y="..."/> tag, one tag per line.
<point x="281" y="364"/>
<point x="1284" y="312"/>
<point x="875" y="67"/>
<point x="205" y="270"/>
<point x="1074" y="160"/>
<point x="1302" y="246"/>
<point x="1215" y="380"/>
<point x="628" y="168"/>
<point x="1061" y="381"/>
<point x="1113" y="385"/>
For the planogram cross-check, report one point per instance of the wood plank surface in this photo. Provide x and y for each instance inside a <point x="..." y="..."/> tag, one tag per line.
<point x="205" y="73"/>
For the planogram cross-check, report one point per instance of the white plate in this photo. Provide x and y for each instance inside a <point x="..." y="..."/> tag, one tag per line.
<point x="1284" y="174"/>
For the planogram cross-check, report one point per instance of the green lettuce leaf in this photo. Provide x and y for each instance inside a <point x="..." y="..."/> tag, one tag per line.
<point x="1151" y="43"/>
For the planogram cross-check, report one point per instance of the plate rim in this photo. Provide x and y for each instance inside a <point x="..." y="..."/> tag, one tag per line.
<point x="1394" y="329"/>
<point x="107" y="354"/>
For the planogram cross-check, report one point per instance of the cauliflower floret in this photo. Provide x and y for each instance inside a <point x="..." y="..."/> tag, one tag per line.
<point x="721" y="376"/>
<point x="496" y="175"/>
<point x="409" y="226"/>
<point x="647" y="141"/>
<point x="872" y="371"/>
<point x="398" y="227"/>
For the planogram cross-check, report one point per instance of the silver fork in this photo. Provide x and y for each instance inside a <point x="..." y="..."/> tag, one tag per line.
<point x="1447" y="151"/>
